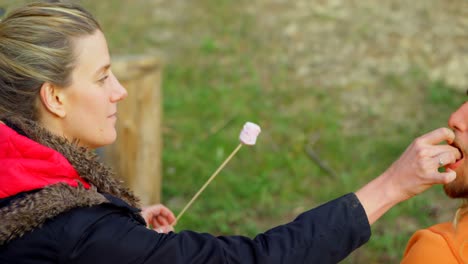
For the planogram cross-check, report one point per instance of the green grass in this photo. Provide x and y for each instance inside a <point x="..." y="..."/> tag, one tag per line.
<point x="269" y="183"/>
<point x="218" y="81"/>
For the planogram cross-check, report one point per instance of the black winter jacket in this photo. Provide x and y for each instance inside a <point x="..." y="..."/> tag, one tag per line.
<point x="60" y="223"/>
<point x="115" y="233"/>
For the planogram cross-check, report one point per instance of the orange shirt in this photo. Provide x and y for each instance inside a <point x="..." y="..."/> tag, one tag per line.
<point x="439" y="244"/>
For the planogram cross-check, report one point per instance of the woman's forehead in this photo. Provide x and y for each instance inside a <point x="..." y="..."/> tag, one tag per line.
<point x="92" y="54"/>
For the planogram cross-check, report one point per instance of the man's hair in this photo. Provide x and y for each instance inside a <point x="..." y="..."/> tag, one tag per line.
<point x="461" y="212"/>
<point x="37" y="46"/>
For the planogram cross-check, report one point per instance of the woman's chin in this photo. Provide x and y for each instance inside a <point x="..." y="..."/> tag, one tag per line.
<point x="109" y="140"/>
<point x="102" y="142"/>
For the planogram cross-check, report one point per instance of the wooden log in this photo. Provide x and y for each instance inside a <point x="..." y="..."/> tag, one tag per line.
<point x="136" y="154"/>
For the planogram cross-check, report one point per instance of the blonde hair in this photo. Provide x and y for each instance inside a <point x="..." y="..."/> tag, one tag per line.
<point x="37" y="46"/>
<point x="461" y="212"/>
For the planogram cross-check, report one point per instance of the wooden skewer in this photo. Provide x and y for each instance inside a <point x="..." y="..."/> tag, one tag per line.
<point x="208" y="181"/>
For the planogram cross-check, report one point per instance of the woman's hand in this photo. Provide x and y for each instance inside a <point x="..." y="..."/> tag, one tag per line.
<point x="159" y="218"/>
<point x="416" y="170"/>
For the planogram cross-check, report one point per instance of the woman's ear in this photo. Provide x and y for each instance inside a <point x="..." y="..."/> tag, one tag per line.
<point x="52" y="98"/>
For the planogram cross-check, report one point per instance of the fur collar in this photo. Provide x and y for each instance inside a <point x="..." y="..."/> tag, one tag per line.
<point x="31" y="211"/>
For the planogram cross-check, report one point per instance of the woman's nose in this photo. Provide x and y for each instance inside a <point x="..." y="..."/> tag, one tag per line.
<point x="118" y="91"/>
<point x="459" y="119"/>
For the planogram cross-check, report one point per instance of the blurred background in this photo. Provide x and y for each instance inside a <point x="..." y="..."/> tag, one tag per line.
<point x="340" y="88"/>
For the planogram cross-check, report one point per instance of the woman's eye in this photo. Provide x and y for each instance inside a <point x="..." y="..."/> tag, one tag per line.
<point x="103" y="79"/>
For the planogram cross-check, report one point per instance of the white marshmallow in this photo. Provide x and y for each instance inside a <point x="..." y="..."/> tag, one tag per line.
<point x="249" y="133"/>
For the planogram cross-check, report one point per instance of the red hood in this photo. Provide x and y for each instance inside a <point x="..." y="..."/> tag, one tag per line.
<point x="26" y="165"/>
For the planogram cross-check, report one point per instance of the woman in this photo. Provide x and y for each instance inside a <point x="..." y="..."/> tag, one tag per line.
<point x="59" y="204"/>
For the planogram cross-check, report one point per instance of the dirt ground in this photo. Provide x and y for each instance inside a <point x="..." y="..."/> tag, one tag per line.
<point x="336" y="43"/>
<point x="346" y="48"/>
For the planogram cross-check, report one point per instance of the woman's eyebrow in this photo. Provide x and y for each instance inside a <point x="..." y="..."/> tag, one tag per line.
<point x="105" y="68"/>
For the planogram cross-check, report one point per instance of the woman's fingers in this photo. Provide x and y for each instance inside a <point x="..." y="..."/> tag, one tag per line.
<point x="435" y="150"/>
<point x="437" y="136"/>
<point x="447" y="177"/>
<point x="162" y="220"/>
<point x="158" y="215"/>
<point x="169" y="215"/>
<point x="445" y="158"/>
<point x="164" y="229"/>
<point x="417" y="169"/>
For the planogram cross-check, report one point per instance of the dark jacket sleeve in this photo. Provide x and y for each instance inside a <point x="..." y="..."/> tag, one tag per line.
<point x="326" y="234"/>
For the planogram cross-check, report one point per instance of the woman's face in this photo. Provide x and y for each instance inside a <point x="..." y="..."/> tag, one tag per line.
<point x="90" y="102"/>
